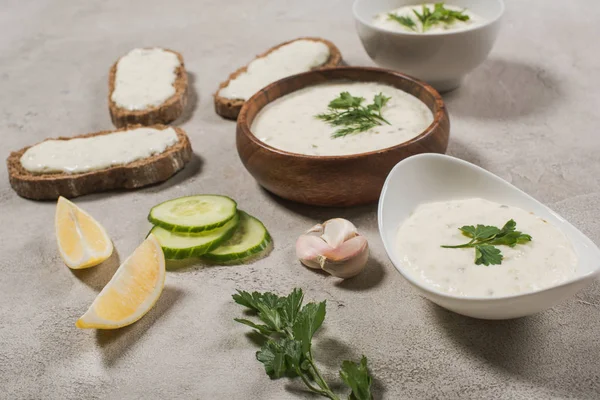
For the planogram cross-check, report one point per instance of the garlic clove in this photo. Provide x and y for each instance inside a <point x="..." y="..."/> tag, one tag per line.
<point x="309" y="250"/>
<point x="346" y="250"/>
<point x="317" y="229"/>
<point x="349" y="259"/>
<point x="336" y="231"/>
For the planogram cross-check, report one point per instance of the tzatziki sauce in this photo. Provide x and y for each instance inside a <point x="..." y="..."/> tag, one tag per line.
<point x="547" y="260"/>
<point x="384" y="21"/>
<point x="145" y="78"/>
<point x="94" y="153"/>
<point x="289" y="123"/>
<point x="290" y="59"/>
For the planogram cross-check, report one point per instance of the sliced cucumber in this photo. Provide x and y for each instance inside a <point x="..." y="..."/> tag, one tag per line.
<point x="250" y="238"/>
<point x="193" y="213"/>
<point x="177" y="246"/>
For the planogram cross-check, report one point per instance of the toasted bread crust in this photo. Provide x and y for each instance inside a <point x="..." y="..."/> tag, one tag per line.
<point x="230" y="108"/>
<point x="147" y="171"/>
<point x="165" y="113"/>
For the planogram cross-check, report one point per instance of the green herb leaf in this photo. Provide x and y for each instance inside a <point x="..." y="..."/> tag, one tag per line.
<point x="403" y="20"/>
<point x="480" y="232"/>
<point x="288" y="351"/>
<point x="347" y="111"/>
<point x="264" y="329"/>
<point x="356" y="376"/>
<point x="292" y="305"/>
<point x="280" y="357"/>
<point x="486" y="254"/>
<point x="309" y="320"/>
<point x="439" y="15"/>
<point x="485" y="237"/>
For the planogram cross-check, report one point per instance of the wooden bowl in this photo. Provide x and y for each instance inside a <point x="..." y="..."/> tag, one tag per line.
<point x="346" y="180"/>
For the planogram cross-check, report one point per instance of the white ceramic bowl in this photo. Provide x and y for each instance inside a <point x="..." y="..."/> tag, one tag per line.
<point x="440" y="59"/>
<point x="435" y="177"/>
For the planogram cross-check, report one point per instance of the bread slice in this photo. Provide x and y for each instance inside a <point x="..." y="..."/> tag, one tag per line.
<point x="167" y="112"/>
<point x="147" y="171"/>
<point x="230" y="108"/>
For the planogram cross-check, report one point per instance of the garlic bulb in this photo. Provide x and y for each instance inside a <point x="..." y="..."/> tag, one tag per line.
<point x="334" y="246"/>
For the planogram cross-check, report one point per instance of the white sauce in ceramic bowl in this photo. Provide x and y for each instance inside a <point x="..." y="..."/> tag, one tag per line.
<point x="384" y="21"/>
<point x="548" y="260"/>
<point x="289" y="123"/>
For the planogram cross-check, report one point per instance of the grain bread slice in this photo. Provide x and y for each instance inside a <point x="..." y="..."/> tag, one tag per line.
<point x="147" y="171"/>
<point x="165" y="113"/>
<point x="230" y="108"/>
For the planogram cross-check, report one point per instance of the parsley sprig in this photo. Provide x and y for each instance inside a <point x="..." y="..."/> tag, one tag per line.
<point x="288" y="328"/>
<point x="428" y="17"/>
<point x="346" y="111"/>
<point x="484" y="238"/>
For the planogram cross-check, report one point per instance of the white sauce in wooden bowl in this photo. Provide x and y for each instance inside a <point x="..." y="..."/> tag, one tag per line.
<point x="289" y="123"/>
<point x="547" y="260"/>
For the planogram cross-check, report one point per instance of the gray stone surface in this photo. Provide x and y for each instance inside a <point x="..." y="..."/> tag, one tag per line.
<point x="529" y="114"/>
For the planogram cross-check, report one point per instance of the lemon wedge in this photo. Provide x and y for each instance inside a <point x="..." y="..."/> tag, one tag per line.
<point x="82" y="241"/>
<point x="132" y="291"/>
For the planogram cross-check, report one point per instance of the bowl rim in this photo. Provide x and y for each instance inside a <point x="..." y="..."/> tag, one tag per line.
<point x="479" y="299"/>
<point x="439" y="112"/>
<point x="485" y="24"/>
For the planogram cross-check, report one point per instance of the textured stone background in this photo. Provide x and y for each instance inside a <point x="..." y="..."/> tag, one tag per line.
<point x="529" y="114"/>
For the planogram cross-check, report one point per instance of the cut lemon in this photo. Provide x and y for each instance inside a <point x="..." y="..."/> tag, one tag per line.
<point x="82" y="241"/>
<point x="132" y="291"/>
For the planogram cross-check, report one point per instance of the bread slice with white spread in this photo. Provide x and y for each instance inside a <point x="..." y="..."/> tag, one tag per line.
<point x="147" y="86"/>
<point x="286" y="59"/>
<point x="126" y="158"/>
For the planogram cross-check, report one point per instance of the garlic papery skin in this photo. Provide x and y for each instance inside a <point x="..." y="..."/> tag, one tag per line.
<point x="335" y="247"/>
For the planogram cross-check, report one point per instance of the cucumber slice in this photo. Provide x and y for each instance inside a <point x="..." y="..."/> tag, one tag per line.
<point x="193" y="213"/>
<point x="177" y="246"/>
<point x="250" y="238"/>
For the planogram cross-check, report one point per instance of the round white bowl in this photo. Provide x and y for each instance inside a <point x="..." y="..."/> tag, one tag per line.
<point x="434" y="177"/>
<point x="440" y="59"/>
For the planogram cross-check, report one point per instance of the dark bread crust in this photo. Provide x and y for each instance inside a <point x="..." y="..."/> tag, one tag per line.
<point x="147" y="171"/>
<point x="165" y="113"/>
<point x="230" y="108"/>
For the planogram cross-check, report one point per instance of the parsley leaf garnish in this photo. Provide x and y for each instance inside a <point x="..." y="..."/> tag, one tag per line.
<point x="428" y="17"/>
<point x="484" y="238"/>
<point x="346" y="111"/>
<point x="288" y="329"/>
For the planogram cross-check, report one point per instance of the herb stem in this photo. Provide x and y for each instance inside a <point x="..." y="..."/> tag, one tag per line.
<point x="311" y="387"/>
<point x="318" y="377"/>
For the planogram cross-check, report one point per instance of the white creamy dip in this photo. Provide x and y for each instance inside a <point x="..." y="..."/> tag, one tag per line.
<point x="548" y="259"/>
<point x="145" y="78"/>
<point x="289" y="123"/>
<point x="293" y="58"/>
<point x="97" y="152"/>
<point x="383" y="20"/>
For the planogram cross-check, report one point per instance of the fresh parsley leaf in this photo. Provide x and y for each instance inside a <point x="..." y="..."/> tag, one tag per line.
<point x="403" y="20"/>
<point x="346" y="111"/>
<point x="485" y="237"/>
<point x="292" y="305"/>
<point x="264" y="329"/>
<point x="290" y="328"/>
<point x="480" y="232"/>
<point x="487" y="255"/>
<point x="356" y="376"/>
<point x="280" y="357"/>
<point x="309" y="321"/>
